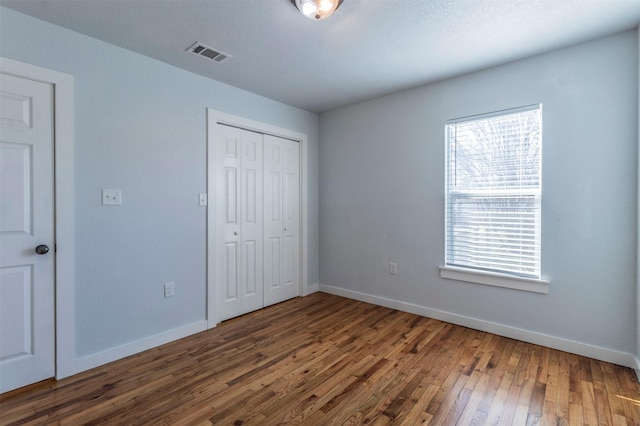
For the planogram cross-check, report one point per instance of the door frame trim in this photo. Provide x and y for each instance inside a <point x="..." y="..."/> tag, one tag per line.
<point x="215" y="117"/>
<point x="64" y="206"/>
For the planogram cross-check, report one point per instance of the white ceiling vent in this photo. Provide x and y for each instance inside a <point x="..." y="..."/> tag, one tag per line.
<point x="208" y="52"/>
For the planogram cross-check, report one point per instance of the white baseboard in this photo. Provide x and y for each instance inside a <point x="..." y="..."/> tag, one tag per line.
<point x="119" y="352"/>
<point x="636" y="367"/>
<point x="312" y="288"/>
<point x="596" y="352"/>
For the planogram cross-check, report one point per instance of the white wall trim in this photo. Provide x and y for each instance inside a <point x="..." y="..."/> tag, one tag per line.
<point x="596" y="352"/>
<point x="312" y="288"/>
<point x="123" y="351"/>
<point x="494" y="279"/>
<point x="214" y="117"/>
<point x="64" y="205"/>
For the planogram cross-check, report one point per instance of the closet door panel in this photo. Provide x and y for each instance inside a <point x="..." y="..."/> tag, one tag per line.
<point x="229" y="256"/>
<point x="251" y="220"/>
<point x="291" y="219"/>
<point x="282" y="224"/>
<point x="240" y="222"/>
<point x="273" y="218"/>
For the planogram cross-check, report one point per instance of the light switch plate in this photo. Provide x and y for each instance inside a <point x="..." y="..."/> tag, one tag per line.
<point x="169" y="289"/>
<point x="111" y="197"/>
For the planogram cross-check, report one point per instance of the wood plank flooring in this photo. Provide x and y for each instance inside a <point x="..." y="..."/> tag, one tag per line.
<point x="323" y="360"/>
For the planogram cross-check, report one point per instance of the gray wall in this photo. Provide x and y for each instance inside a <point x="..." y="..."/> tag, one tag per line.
<point x="382" y="193"/>
<point x="140" y="126"/>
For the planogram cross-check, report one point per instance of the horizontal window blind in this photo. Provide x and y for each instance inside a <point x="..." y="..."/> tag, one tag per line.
<point x="493" y="204"/>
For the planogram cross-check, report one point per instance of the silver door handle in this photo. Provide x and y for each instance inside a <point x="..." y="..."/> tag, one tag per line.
<point x="42" y="249"/>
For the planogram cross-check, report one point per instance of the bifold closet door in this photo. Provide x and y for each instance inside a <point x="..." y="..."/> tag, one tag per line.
<point x="240" y="216"/>
<point x="281" y="219"/>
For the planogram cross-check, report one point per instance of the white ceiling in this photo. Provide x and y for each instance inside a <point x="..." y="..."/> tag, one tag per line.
<point x="366" y="49"/>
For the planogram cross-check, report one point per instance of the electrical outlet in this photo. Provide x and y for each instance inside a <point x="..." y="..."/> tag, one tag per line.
<point x="203" y="199"/>
<point x="111" y="197"/>
<point x="393" y="268"/>
<point x="169" y="289"/>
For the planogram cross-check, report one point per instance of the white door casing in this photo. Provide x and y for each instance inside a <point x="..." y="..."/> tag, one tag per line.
<point x="240" y="216"/>
<point x="27" y="335"/>
<point x="282" y="219"/>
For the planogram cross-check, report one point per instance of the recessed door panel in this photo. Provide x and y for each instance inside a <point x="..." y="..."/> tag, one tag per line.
<point x="231" y="195"/>
<point x="290" y="196"/>
<point x="250" y="196"/>
<point x="231" y="146"/>
<point x="276" y="199"/>
<point x="273" y="272"/>
<point x="251" y="274"/>
<point x="16" y="312"/>
<point x="251" y="149"/>
<point x="15" y="109"/>
<point x="231" y="271"/>
<point x="275" y="154"/>
<point x="16" y="169"/>
<point x="288" y="266"/>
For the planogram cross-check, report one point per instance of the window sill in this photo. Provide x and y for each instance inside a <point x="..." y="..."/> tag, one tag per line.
<point x="498" y="280"/>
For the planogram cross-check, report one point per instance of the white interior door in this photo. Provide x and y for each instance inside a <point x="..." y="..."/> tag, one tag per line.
<point x="27" y="338"/>
<point x="239" y="257"/>
<point x="282" y="219"/>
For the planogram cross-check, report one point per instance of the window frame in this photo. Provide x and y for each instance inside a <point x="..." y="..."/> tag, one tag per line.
<point x="478" y="275"/>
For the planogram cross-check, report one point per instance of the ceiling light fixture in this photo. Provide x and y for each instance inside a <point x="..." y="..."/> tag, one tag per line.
<point x="317" y="9"/>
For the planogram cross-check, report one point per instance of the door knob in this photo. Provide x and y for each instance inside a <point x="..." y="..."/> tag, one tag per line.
<point x="285" y="228"/>
<point x="42" y="249"/>
<point x="235" y="232"/>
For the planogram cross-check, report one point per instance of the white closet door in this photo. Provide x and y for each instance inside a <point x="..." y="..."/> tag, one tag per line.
<point x="282" y="219"/>
<point x="240" y="219"/>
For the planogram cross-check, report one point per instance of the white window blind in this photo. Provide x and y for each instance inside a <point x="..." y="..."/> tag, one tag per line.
<point x="493" y="192"/>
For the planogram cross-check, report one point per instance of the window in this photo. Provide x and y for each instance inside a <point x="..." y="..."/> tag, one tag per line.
<point x="493" y="188"/>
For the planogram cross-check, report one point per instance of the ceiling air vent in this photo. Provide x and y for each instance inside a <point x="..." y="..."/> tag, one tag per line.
<point x="208" y="52"/>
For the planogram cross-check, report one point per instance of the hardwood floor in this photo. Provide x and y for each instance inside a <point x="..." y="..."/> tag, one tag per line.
<point x="322" y="360"/>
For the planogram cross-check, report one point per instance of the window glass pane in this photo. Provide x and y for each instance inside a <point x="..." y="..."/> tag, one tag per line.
<point x="493" y="193"/>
